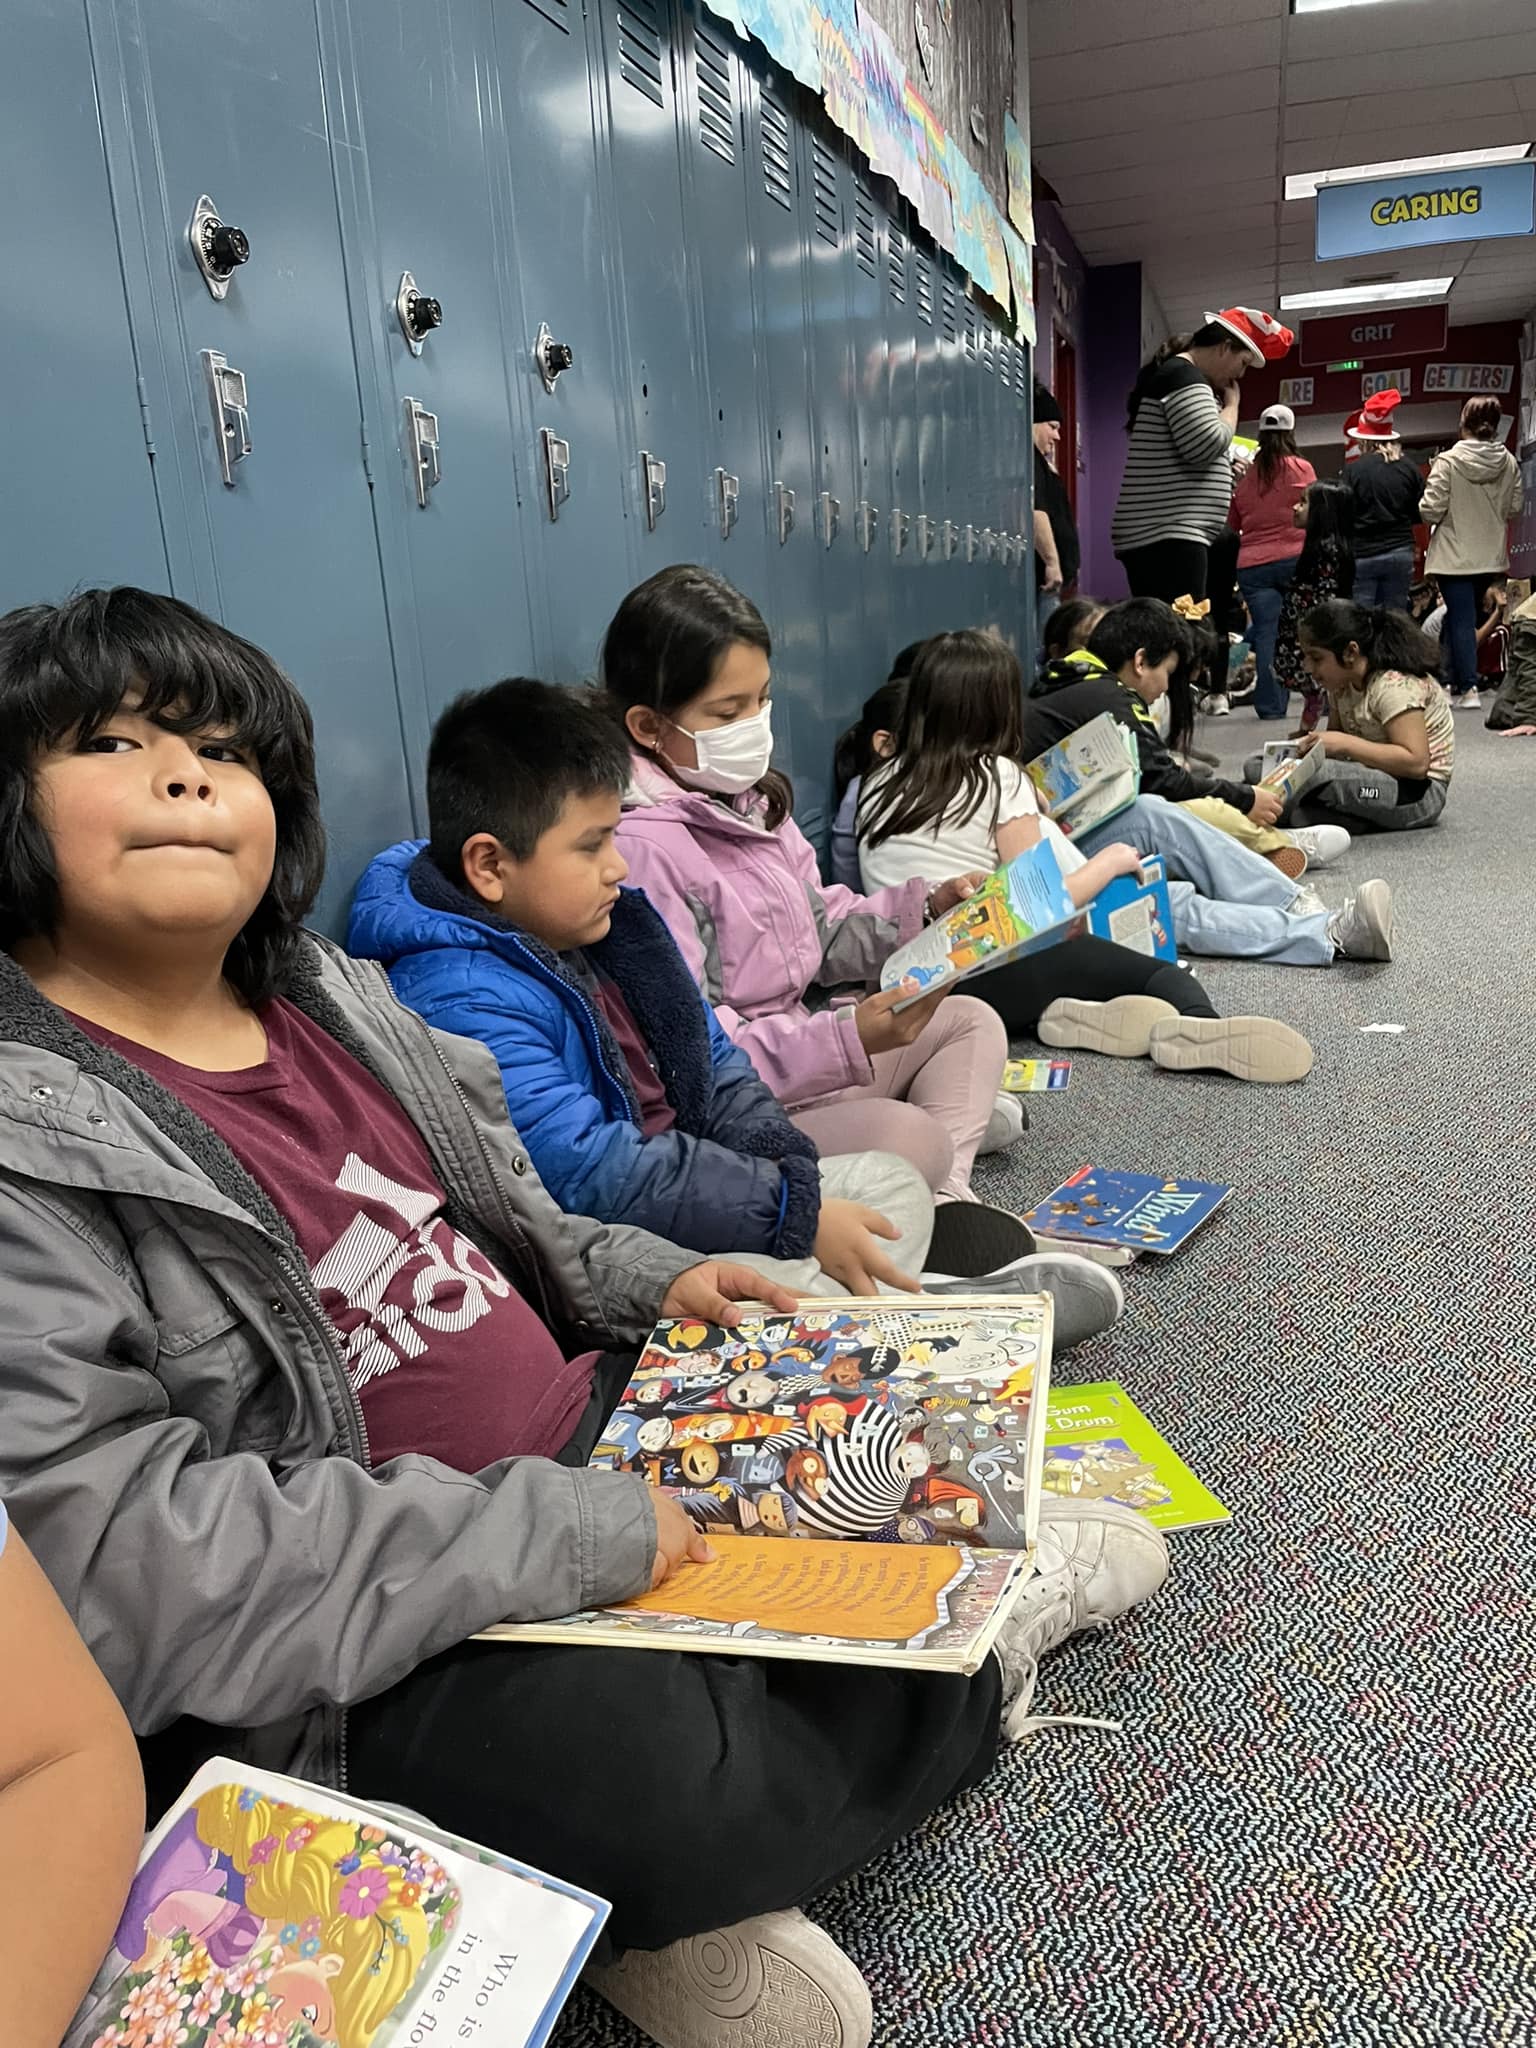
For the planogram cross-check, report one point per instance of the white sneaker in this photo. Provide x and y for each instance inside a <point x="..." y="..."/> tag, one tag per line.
<point x="1469" y="700"/>
<point x="1086" y="1298"/>
<point x="1121" y="1027"/>
<point x="1252" y="1048"/>
<point x="1094" y="1561"/>
<point x="775" y="1978"/>
<point x="1007" y="1124"/>
<point x="1361" y="928"/>
<point x="1305" y="903"/>
<point x="1218" y="706"/>
<point x="1322" y="844"/>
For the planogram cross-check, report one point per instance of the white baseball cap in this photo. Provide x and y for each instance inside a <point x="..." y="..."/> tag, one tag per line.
<point x="1277" y="417"/>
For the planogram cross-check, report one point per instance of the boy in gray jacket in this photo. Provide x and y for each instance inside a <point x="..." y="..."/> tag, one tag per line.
<point x="300" y="1366"/>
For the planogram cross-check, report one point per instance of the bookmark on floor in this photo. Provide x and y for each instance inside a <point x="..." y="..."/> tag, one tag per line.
<point x="1036" y="1077"/>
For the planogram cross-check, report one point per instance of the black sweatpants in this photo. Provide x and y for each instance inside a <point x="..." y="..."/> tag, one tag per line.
<point x="691" y="1791"/>
<point x="1091" y="969"/>
<point x="1168" y="569"/>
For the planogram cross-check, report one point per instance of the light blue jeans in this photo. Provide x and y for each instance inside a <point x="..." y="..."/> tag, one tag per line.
<point x="1264" y="586"/>
<point x="1226" y="901"/>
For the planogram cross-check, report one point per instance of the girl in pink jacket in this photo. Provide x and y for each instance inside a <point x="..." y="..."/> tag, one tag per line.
<point x="708" y="835"/>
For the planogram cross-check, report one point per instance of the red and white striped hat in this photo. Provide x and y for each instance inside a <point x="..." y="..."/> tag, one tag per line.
<point x="1260" y="333"/>
<point x="1374" y="422"/>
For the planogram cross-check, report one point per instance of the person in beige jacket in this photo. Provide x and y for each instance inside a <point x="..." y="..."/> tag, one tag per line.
<point x="1474" y="490"/>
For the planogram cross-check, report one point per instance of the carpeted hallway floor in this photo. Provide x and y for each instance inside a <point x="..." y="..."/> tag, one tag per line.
<point x="1317" y="1828"/>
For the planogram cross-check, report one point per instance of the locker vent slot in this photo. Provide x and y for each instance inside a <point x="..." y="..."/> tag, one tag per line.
<point x="970" y="332"/>
<point x="864" y="231"/>
<point x="824" y="193"/>
<point x="948" y="307"/>
<point x="778" y="179"/>
<point x="924" y="291"/>
<point x="986" y="350"/>
<point x="1005" y="363"/>
<point x="640" y="45"/>
<point x="898" y="262"/>
<point x="717" y="114"/>
<point x="557" y="11"/>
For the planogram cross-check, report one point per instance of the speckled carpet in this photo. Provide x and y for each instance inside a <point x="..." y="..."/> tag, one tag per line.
<point x="1317" y="1828"/>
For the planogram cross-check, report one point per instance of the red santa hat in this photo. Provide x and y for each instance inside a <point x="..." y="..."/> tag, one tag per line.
<point x="1260" y="333"/>
<point x="1374" y="422"/>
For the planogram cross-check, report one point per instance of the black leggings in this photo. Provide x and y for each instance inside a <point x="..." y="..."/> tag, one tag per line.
<point x="1168" y="569"/>
<point x="1092" y="969"/>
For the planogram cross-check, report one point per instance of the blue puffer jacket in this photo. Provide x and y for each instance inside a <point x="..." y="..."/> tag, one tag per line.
<point x="733" y="1174"/>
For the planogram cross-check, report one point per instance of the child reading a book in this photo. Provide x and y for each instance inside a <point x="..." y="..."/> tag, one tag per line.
<point x="1391" y="739"/>
<point x="1325" y="569"/>
<point x="300" y="1368"/>
<point x="708" y="835"/>
<point x="71" y="1807"/>
<point x="511" y="926"/>
<point x="953" y="796"/>
<point x="1138" y="653"/>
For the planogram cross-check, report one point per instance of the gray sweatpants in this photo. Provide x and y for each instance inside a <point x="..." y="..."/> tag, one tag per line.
<point x="880" y="1181"/>
<point x="1363" y="798"/>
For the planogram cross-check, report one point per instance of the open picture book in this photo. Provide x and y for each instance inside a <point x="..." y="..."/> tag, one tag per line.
<point x="1290" y="772"/>
<point x="1089" y="776"/>
<point x="867" y="1471"/>
<point x="268" y="1909"/>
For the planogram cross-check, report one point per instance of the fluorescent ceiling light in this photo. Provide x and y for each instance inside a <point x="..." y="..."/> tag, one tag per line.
<point x="1318" y="6"/>
<point x="1304" y="184"/>
<point x="1367" y="294"/>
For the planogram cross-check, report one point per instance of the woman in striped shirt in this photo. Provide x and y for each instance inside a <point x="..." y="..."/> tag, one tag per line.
<point x="1178" y="473"/>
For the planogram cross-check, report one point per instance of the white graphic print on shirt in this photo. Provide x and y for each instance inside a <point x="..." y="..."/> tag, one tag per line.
<point x="398" y="1273"/>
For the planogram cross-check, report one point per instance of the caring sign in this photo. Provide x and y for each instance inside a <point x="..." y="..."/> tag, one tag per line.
<point x="1438" y="206"/>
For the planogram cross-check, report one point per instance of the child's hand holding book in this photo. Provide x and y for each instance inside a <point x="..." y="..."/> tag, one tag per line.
<point x="1106" y="866"/>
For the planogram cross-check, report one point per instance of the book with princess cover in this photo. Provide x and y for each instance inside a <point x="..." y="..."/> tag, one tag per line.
<point x="265" y="1909"/>
<point x="1099" y="1446"/>
<point x="1146" y="1212"/>
<point x="1090" y="776"/>
<point x="903" y="1434"/>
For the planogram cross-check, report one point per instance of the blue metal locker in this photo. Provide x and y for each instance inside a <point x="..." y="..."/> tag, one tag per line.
<point x="984" y="587"/>
<point x="869" y="355"/>
<point x="793" y="601"/>
<point x="83" y="508"/>
<point x="955" y="569"/>
<point x="640" y="49"/>
<point x="902" y="554"/>
<point x="581" y="559"/>
<point x="250" y="373"/>
<point x="927" y="526"/>
<point x="420" y="168"/>
<point x="720" y="274"/>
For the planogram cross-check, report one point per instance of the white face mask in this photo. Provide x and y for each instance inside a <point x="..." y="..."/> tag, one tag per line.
<point x="732" y="757"/>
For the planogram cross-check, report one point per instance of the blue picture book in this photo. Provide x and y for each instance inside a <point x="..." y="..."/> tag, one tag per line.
<point x="1145" y="1212"/>
<point x="1136" y="914"/>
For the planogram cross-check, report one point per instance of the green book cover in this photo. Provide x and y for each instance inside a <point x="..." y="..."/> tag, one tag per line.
<point x="1099" y="1446"/>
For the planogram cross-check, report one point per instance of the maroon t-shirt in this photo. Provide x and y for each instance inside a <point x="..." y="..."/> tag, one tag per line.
<point x="656" y="1112"/>
<point x="442" y="1351"/>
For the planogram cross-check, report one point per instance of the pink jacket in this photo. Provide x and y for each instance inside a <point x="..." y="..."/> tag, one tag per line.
<point x="758" y="927"/>
<point x="1263" y="518"/>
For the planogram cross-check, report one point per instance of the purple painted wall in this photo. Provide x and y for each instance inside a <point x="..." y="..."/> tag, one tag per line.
<point x="1107" y="371"/>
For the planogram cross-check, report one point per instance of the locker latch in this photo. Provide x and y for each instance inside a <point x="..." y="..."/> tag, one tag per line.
<point x="831" y="518"/>
<point x="231" y="414"/>
<point x="727" y="501"/>
<point x="900" y="525"/>
<point x="217" y="249"/>
<point x="553" y="357"/>
<point x="784" y="510"/>
<point x="970" y="542"/>
<point x="866" y="522"/>
<point x="653" y="478"/>
<point x="422" y="448"/>
<point x="417" y="314"/>
<point x="924" y="535"/>
<point x="948" y="534"/>
<point x="988" y="544"/>
<point x="557" y="469"/>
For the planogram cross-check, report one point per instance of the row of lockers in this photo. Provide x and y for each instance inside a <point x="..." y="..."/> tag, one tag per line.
<point x="406" y="335"/>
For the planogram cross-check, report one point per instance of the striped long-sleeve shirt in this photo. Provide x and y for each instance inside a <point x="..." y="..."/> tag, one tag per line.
<point x="1178" y="473"/>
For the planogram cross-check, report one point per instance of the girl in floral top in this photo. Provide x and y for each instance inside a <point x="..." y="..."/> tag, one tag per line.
<point x="1391" y="739"/>
<point x="1324" y="569"/>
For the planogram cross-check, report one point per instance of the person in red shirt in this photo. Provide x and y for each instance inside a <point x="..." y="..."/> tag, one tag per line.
<point x="1262" y="505"/>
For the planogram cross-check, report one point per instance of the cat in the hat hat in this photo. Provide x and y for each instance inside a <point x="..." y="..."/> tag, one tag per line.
<point x="1374" y="427"/>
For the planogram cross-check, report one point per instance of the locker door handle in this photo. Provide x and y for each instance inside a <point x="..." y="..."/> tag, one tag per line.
<point x="653" y="476"/>
<point x="727" y="500"/>
<point x="924" y="534"/>
<point x="422" y="449"/>
<point x="947" y="536"/>
<point x="970" y="542"/>
<point x="231" y="414"/>
<point x="557" y="469"/>
<point x="831" y="518"/>
<point x="868" y="520"/>
<point x="784" y="510"/>
<point x="988" y="544"/>
<point x="900" y="523"/>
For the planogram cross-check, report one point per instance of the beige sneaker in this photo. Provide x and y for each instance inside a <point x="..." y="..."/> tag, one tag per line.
<point x="776" y="1981"/>
<point x="1252" y="1048"/>
<point x="1121" y="1027"/>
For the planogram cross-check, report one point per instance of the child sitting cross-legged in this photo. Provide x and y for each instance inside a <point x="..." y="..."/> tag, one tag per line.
<point x="511" y="925"/>
<point x="301" y="1368"/>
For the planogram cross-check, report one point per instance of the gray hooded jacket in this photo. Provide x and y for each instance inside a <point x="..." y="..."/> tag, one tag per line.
<point x="178" y="1440"/>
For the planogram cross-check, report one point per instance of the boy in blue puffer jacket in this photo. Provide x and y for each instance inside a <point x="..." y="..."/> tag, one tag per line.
<point x="510" y="926"/>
